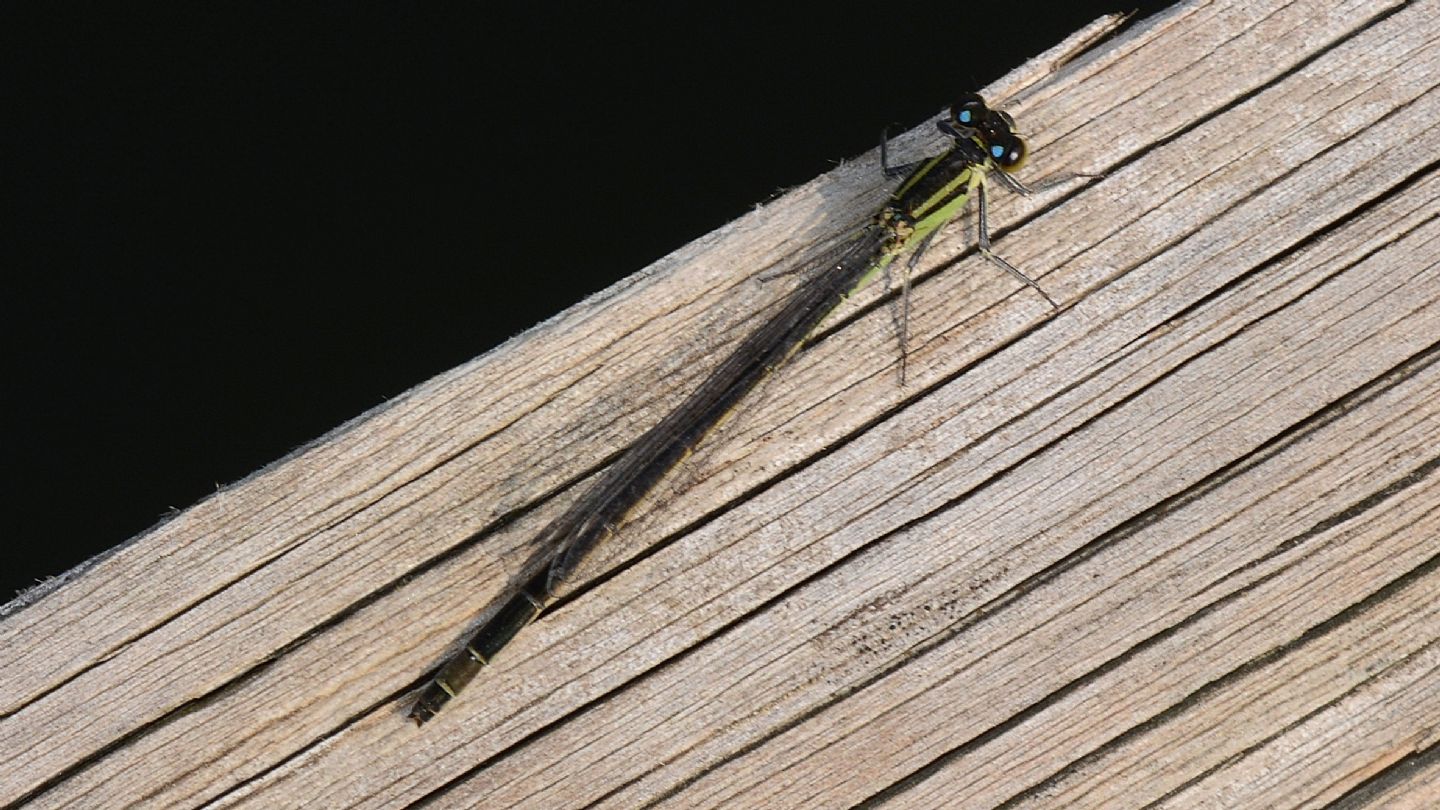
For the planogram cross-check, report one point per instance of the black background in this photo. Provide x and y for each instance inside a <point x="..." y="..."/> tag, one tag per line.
<point x="234" y="228"/>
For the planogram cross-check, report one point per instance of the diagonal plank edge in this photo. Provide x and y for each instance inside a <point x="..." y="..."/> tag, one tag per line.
<point x="1176" y="542"/>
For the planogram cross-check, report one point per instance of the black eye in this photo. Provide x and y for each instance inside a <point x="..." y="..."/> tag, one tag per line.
<point x="969" y="111"/>
<point x="1009" y="152"/>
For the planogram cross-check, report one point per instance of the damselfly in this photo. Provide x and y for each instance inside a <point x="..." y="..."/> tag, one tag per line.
<point x="935" y="191"/>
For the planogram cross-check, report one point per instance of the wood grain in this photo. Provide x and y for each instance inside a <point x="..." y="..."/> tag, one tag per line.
<point x="1177" y="545"/>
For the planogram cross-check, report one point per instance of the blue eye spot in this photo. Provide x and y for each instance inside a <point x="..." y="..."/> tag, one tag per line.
<point x="997" y="151"/>
<point x="965" y="117"/>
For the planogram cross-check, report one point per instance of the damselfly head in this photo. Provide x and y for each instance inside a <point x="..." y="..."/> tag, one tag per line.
<point x="994" y="130"/>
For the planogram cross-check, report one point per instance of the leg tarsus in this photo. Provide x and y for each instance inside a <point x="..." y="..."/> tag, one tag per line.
<point x="983" y="246"/>
<point x="1044" y="184"/>
<point x="902" y="329"/>
<point x="892" y="171"/>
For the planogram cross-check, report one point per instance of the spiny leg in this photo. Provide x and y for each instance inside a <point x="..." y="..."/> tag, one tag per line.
<point x="893" y="171"/>
<point x="983" y="245"/>
<point x="902" y="329"/>
<point x="1045" y="184"/>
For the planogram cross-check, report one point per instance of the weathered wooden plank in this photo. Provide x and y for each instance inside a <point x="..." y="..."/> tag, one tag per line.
<point x="1175" y="544"/>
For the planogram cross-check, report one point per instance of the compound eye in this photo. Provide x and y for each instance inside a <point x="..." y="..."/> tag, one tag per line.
<point x="1009" y="153"/>
<point x="969" y="111"/>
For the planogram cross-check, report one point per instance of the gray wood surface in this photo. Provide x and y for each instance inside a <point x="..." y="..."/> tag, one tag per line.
<point x="1175" y="545"/>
